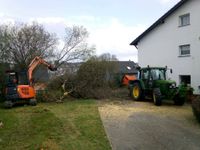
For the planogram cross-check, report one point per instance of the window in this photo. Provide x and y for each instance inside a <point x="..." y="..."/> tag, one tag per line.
<point x="128" y="67"/>
<point x="145" y="74"/>
<point x="184" y="20"/>
<point x="184" y="50"/>
<point x="158" y="74"/>
<point x="186" y="79"/>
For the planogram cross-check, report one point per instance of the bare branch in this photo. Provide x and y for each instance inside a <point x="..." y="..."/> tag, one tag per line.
<point x="75" y="46"/>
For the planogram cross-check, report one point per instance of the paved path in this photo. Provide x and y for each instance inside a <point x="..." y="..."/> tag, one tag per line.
<point x="143" y="126"/>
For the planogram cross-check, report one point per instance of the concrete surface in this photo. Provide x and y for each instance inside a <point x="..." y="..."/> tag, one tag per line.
<point x="142" y="126"/>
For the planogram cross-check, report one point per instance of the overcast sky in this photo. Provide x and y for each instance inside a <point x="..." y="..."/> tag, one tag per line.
<point x="112" y="24"/>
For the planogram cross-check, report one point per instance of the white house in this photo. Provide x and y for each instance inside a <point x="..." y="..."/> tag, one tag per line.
<point x="174" y="41"/>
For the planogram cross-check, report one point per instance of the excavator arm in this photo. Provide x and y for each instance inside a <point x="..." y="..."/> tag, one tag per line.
<point x="34" y="63"/>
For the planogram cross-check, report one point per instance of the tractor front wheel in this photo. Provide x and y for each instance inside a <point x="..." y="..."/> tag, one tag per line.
<point x="179" y="100"/>
<point x="136" y="92"/>
<point x="157" y="97"/>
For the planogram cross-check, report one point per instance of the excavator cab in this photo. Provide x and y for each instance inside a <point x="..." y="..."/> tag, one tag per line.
<point x="18" y="89"/>
<point x="11" y="85"/>
<point x="12" y="78"/>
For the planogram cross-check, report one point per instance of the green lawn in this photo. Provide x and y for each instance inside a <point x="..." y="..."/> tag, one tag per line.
<point x="74" y="125"/>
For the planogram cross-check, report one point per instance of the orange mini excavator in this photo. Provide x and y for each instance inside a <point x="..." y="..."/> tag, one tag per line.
<point x="19" y="86"/>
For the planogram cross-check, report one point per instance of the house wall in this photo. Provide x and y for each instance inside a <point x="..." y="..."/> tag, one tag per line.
<point x="161" y="46"/>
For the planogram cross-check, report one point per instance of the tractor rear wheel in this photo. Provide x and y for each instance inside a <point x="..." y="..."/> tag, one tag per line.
<point x="157" y="97"/>
<point x="136" y="92"/>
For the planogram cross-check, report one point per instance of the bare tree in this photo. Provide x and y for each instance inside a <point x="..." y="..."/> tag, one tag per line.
<point x="4" y="44"/>
<point x="75" y="45"/>
<point x="22" y="42"/>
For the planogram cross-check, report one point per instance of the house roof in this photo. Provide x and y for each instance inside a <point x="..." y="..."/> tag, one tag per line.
<point x="161" y="20"/>
<point x="127" y="67"/>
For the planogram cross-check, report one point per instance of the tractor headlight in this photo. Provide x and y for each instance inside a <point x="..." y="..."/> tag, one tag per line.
<point x="172" y="86"/>
<point x="18" y="89"/>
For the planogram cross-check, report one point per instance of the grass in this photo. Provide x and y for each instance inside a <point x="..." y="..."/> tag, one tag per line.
<point x="74" y="125"/>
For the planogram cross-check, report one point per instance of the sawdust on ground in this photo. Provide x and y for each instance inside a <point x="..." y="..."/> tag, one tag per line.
<point x="136" y="125"/>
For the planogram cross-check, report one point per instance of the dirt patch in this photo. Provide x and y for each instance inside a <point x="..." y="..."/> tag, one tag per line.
<point x="141" y="125"/>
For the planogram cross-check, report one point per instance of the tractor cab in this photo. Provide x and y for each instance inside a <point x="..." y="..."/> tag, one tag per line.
<point x="156" y="77"/>
<point x="151" y="76"/>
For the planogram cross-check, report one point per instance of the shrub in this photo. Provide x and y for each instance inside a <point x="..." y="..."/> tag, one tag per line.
<point x="196" y="107"/>
<point x="55" y="83"/>
<point x="95" y="79"/>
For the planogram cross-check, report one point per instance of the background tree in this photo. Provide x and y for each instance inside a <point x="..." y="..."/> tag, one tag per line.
<point x="111" y="66"/>
<point x="20" y="43"/>
<point x="108" y="57"/>
<point x="4" y="44"/>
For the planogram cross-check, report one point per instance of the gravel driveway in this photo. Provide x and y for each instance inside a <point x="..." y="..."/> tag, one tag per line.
<point x="143" y="126"/>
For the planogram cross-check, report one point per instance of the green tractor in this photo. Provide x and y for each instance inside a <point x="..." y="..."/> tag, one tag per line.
<point x="152" y="83"/>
